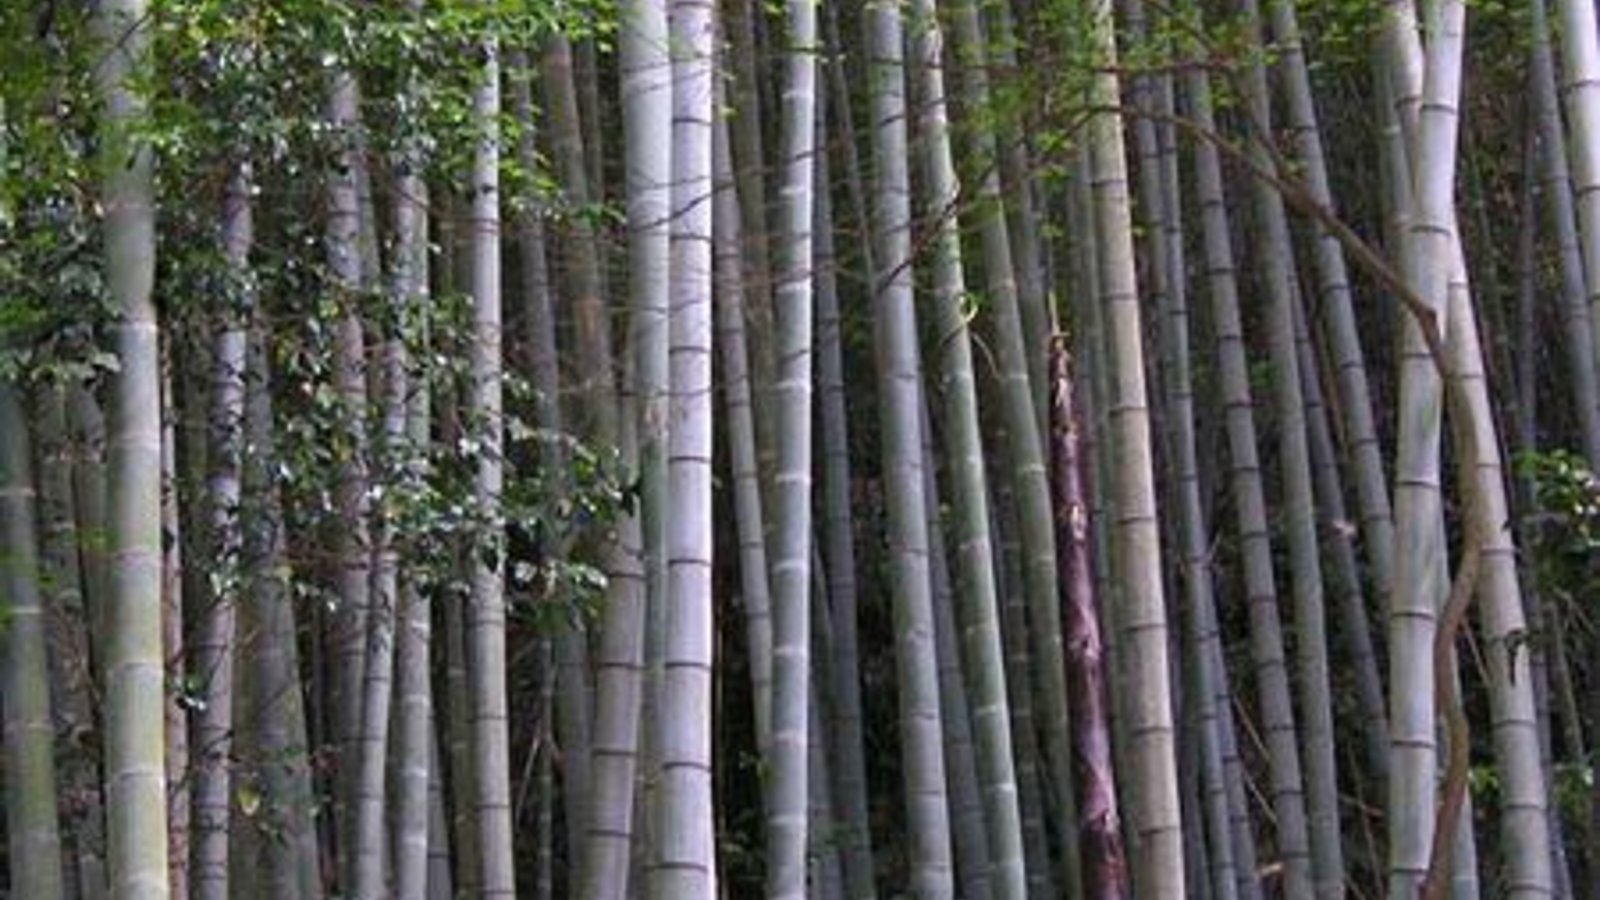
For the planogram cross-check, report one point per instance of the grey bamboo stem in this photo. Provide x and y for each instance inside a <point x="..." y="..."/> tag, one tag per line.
<point x="976" y="589"/>
<point x="1336" y="303"/>
<point x="620" y="658"/>
<point x="838" y="525"/>
<point x="213" y="650"/>
<point x="33" y="835"/>
<point x="791" y="557"/>
<point x="684" y="855"/>
<point x="1266" y="637"/>
<point x="968" y="831"/>
<point x="413" y="725"/>
<point x="1016" y="352"/>
<point x="749" y="515"/>
<point x="1275" y="253"/>
<point x="490" y="785"/>
<point x="134" y="770"/>
<point x="1153" y="809"/>
<point x="1578" y="331"/>
<point x="899" y="374"/>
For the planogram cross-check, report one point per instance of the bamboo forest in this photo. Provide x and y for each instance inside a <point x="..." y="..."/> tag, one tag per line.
<point x="799" y="449"/>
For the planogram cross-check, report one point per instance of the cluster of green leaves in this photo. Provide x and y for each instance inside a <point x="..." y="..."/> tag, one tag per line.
<point x="52" y="297"/>
<point x="1568" y="493"/>
<point x="248" y="76"/>
<point x="1562" y="554"/>
<point x="51" y="294"/>
<point x="232" y="81"/>
<point x="556" y="491"/>
<point x="1340" y="33"/>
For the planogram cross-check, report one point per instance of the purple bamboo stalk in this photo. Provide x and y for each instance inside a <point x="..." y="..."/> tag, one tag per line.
<point x="1105" y="875"/>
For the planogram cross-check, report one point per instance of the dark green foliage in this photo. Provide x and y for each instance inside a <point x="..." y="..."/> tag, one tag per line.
<point x="1568" y="493"/>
